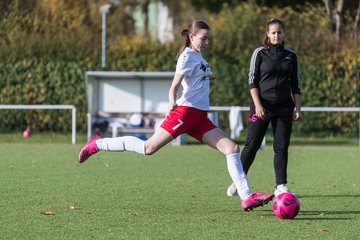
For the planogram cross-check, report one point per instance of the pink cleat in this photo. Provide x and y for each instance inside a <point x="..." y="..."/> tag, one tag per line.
<point x="256" y="200"/>
<point x="89" y="149"/>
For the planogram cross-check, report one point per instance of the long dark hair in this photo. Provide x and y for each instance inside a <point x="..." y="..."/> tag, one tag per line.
<point x="266" y="41"/>
<point x="193" y="28"/>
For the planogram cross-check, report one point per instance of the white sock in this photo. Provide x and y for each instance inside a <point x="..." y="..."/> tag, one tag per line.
<point x="238" y="175"/>
<point x="121" y="144"/>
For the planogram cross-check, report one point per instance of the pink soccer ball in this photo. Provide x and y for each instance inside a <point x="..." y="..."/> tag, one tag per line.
<point x="26" y="133"/>
<point x="286" y="206"/>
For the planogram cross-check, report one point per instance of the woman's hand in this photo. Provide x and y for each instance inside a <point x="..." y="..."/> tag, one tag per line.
<point x="260" y="111"/>
<point x="297" y="113"/>
<point x="297" y="116"/>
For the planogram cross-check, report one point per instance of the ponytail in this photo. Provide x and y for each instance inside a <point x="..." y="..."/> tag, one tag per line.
<point x="185" y="35"/>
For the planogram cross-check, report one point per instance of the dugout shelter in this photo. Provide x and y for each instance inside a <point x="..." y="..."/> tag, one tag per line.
<point x="127" y="103"/>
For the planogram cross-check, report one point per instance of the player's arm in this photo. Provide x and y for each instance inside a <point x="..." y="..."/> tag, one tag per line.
<point x="173" y="91"/>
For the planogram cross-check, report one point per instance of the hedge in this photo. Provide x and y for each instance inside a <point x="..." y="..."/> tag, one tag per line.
<point x="330" y="73"/>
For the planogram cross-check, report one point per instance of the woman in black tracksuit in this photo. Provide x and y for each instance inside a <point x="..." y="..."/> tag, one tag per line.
<point x="275" y="92"/>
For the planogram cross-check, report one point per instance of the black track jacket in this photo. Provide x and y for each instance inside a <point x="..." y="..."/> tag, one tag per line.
<point x="274" y="71"/>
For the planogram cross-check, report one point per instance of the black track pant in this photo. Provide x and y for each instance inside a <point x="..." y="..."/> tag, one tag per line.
<point x="281" y="131"/>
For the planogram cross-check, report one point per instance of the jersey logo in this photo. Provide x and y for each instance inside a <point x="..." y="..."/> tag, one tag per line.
<point x="178" y="125"/>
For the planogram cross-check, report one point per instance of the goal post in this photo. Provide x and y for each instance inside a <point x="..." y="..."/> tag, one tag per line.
<point x="51" y="107"/>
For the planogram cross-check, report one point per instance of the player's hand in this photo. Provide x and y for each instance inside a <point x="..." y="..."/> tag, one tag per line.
<point x="212" y="78"/>
<point x="172" y="107"/>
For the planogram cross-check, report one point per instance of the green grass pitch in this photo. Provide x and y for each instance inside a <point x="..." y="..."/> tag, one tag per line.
<point x="178" y="193"/>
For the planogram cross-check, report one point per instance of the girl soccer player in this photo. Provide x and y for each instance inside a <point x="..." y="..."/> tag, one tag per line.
<point x="188" y="114"/>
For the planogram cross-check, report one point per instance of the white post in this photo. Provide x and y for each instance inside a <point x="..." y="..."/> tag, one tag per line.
<point x="73" y="138"/>
<point x="103" y="45"/>
<point x="89" y="125"/>
<point x="104" y="9"/>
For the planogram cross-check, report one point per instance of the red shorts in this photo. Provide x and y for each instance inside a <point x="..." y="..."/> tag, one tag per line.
<point x="188" y="120"/>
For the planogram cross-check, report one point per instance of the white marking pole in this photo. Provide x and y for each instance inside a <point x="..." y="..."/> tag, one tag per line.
<point x="303" y="109"/>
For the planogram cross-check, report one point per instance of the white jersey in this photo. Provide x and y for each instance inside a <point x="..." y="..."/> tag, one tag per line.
<point x="196" y="83"/>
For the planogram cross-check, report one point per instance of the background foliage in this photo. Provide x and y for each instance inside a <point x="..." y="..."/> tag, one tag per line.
<point x="47" y="46"/>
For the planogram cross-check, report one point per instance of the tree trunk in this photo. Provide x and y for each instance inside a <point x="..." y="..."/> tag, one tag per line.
<point x="338" y="16"/>
<point x="145" y="10"/>
<point x="355" y="30"/>
<point x="329" y="7"/>
<point x="335" y="17"/>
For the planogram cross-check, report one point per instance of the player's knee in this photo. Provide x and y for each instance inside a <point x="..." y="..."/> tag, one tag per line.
<point x="150" y="150"/>
<point x="231" y="148"/>
<point x="236" y="147"/>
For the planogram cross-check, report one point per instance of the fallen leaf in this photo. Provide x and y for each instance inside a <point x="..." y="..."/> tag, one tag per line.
<point x="47" y="213"/>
